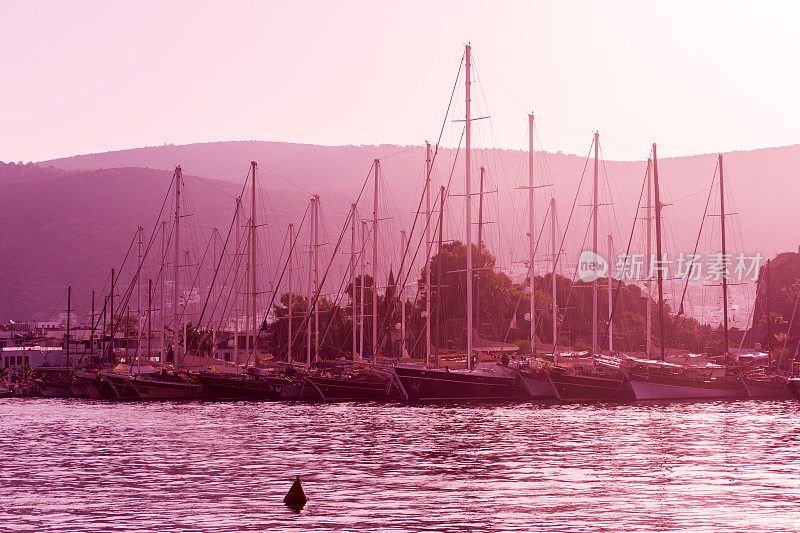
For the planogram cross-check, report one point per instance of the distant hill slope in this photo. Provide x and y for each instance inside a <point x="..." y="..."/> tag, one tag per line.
<point x="73" y="221"/>
<point x="762" y="184"/>
<point x="22" y="173"/>
<point x="73" y="228"/>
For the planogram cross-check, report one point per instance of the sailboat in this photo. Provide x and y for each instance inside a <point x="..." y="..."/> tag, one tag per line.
<point x="358" y="381"/>
<point x="659" y="380"/>
<point x="599" y="383"/>
<point x="144" y="382"/>
<point x="484" y="381"/>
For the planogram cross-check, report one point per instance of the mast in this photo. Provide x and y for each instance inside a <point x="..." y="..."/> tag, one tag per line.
<point x="428" y="253"/>
<point x="91" y="336"/>
<point x="139" y="295"/>
<point x="111" y="322"/>
<point x="610" y="295"/>
<point x="291" y="297"/>
<point x="594" y="242"/>
<point x="377" y="166"/>
<point x="656" y="196"/>
<point x="69" y="312"/>
<point x="724" y="257"/>
<point x="468" y="206"/>
<point x="531" y="238"/>
<point x="402" y="296"/>
<point x="236" y="294"/>
<point x="310" y="281"/>
<point x="769" y="316"/>
<point x="363" y="290"/>
<point x="214" y="237"/>
<point x="103" y="341"/>
<point x="649" y="340"/>
<point x="439" y="277"/>
<point x="353" y="275"/>
<point x="161" y="291"/>
<point x="185" y="314"/>
<point x="149" y="308"/>
<point x="253" y="258"/>
<point x="554" y="245"/>
<point x="176" y="280"/>
<point x="480" y="249"/>
<point x="247" y="292"/>
<point x="316" y="277"/>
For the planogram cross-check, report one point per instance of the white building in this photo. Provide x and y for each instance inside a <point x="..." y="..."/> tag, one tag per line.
<point x="33" y="356"/>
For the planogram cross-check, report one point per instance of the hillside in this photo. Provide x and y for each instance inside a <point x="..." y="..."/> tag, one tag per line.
<point x="73" y="228"/>
<point x="70" y="220"/>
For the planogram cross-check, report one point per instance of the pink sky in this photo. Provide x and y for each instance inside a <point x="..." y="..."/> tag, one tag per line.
<point x="696" y="77"/>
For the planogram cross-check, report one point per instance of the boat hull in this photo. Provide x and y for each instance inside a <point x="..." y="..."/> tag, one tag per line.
<point x="584" y="388"/>
<point x="223" y="387"/>
<point x="343" y="389"/>
<point x="424" y="385"/>
<point x="146" y="388"/>
<point x="56" y="390"/>
<point x="793" y="386"/>
<point x="654" y="390"/>
<point x="537" y="385"/>
<point x="757" y="388"/>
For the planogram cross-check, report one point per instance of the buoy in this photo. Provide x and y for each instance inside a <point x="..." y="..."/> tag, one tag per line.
<point x="296" y="498"/>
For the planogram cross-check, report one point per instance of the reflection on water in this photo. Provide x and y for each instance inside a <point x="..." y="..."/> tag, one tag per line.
<point x="91" y="466"/>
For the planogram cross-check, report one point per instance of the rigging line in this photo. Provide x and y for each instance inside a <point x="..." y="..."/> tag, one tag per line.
<point x="497" y="78"/>
<point x="124" y="260"/>
<point x="224" y="247"/>
<point x="208" y="182"/>
<point x="335" y="307"/>
<point x="563" y="237"/>
<point x="535" y="249"/>
<point x="290" y="182"/>
<point x="313" y="304"/>
<point x="435" y="154"/>
<point x="751" y="316"/>
<point x="627" y="252"/>
<point x="191" y="290"/>
<point x="411" y="233"/>
<point x="691" y="194"/>
<point x="699" y="234"/>
<point x="404" y="150"/>
<point x="275" y="292"/>
<point x="333" y="255"/>
<point x="791" y="321"/>
<point x="235" y="264"/>
<point x="58" y="305"/>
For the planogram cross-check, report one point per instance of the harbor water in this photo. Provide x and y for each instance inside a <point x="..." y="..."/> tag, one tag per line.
<point x="77" y="465"/>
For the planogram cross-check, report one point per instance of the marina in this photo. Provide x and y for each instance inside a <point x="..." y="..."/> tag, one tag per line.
<point x="394" y="267"/>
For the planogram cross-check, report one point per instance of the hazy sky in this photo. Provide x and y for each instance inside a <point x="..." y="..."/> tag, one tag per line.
<point x="696" y="77"/>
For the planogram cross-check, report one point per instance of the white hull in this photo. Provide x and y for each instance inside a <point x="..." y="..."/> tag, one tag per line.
<point x="539" y="389"/>
<point x="766" y="389"/>
<point x="647" y="390"/>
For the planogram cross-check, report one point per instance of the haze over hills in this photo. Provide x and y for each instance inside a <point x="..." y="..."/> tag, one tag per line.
<point x="72" y="228"/>
<point x="71" y="223"/>
<point x="760" y="183"/>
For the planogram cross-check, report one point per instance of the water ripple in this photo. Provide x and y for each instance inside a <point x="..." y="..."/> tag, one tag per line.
<point x="93" y="466"/>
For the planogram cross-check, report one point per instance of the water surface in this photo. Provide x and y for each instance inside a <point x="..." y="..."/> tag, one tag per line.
<point x="71" y="465"/>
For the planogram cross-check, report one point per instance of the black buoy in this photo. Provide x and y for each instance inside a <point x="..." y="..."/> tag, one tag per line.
<point x="296" y="498"/>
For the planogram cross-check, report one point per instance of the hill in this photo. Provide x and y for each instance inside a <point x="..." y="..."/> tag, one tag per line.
<point x="72" y="228"/>
<point x="71" y="219"/>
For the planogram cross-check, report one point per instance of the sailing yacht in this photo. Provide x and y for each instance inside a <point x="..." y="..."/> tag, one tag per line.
<point x="481" y="382"/>
<point x="660" y="380"/>
<point x="590" y="382"/>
